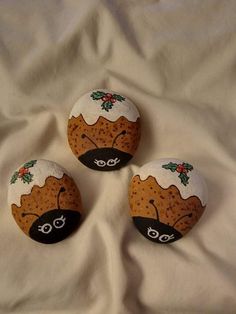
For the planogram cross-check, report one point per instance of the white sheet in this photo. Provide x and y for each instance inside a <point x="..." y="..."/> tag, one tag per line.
<point x="176" y="61"/>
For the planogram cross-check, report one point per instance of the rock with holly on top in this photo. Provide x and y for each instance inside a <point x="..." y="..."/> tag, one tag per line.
<point x="167" y="197"/>
<point x="104" y="130"/>
<point x="45" y="201"/>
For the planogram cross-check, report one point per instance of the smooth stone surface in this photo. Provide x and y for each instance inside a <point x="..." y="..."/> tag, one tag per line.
<point x="45" y="201"/>
<point x="167" y="197"/>
<point x="104" y="130"/>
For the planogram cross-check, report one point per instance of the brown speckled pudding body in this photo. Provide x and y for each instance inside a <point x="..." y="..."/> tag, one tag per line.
<point x="120" y="136"/>
<point x="155" y="204"/>
<point x="55" y="193"/>
<point x="104" y="129"/>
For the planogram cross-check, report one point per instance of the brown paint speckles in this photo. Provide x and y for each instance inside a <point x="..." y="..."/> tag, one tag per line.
<point x="43" y="199"/>
<point x="169" y="202"/>
<point x="103" y="137"/>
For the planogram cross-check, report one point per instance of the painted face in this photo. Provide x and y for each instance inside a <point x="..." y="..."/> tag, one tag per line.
<point x="104" y="130"/>
<point x="105" y="158"/>
<point x="157" y="231"/>
<point x="45" y="201"/>
<point x="167" y="197"/>
<point x="54" y="225"/>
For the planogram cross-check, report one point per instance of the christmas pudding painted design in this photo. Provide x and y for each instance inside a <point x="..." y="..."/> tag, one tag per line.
<point x="45" y="201"/>
<point x="167" y="197"/>
<point x="104" y="130"/>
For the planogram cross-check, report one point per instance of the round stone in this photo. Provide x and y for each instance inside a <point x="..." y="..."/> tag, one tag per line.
<point x="45" y="201"/>
<point x="104" y="130"/>
<point x="167" y="197"/>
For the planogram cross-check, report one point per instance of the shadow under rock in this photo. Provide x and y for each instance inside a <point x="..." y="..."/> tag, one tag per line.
<point x="132" y="301"/>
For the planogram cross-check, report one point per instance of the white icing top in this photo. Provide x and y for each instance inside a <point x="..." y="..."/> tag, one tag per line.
<point x="196" y="184"/>
<point x="41" y="170"/>
<point x="91" y="109"/>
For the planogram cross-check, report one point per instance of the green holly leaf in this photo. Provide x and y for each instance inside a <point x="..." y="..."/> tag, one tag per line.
<point x="118" y="97"/>
<point x="184" y="178"/>
<point x="29" y="164"/>
<point x="14" y="177"/>
<point x="170" y="166"/>
<point x="106" y="105"/>
<point x="97" y="95"/>
<point x="187" y="166"/>
<point x="27" y="178"/>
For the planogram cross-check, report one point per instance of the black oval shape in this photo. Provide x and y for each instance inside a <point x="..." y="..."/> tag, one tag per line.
<point x="105" y="154"/>
<point x="54" y="218"/>
<point x="167" y="234"/>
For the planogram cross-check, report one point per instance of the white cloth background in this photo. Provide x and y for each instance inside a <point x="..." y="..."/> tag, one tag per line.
<point x="176" y="61"/>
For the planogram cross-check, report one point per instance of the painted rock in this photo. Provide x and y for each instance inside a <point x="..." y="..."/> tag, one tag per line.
<point x="45" y="201"/>
<point x="167" y="197"/>
<point x="104" y="130"/>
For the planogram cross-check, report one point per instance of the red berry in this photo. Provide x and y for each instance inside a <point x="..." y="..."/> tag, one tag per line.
<point x="180" y="169"/>
<point x="109" y="95"/>
<point x="105" y="98"/>
<point x="23" y="171"/>
<point x="113" y="100"/>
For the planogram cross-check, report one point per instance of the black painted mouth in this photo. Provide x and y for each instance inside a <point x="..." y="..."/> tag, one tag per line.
<point x="54" y="225"/>
<point x="105" y="159"/>
<point x="156" y="231"/>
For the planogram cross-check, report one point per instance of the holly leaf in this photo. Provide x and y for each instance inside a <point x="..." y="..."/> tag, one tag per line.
<point x="106" y="105"/>
<point x="170" y="166"/>
<point x="97" y="95"/>
<point x="29" y="164"/>
<point x="118" y="97"/>
<point x="187" y="166"/>
<point x="27" y="178"/>
<point x="184" y="178"/>
<point x="14" y="177"/>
